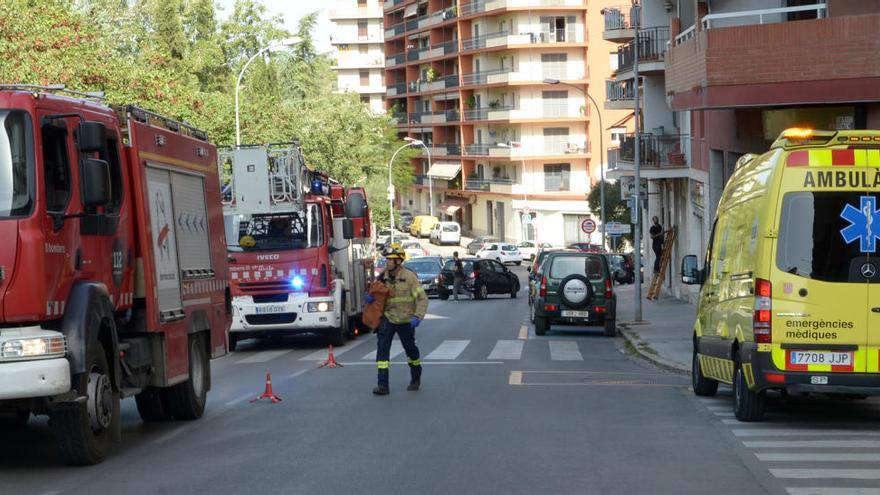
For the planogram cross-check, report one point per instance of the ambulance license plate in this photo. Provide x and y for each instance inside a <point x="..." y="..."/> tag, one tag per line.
<point x="271" y="309"/>
<point x="575" y="314"/>
<point x="817" y="357"/>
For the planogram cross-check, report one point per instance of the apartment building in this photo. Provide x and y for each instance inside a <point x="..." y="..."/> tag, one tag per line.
<point x="360" y="56"/>
<point x="726" y="80"/>
<point x="496" y="89"/>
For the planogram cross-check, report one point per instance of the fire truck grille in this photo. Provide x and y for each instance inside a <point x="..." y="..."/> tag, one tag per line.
<point x="271" y="319"/>
<point x="269" y="298"/>
<point x="261" y="286"/>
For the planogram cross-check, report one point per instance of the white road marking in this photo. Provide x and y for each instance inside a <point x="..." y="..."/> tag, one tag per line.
<point x="321" y="354"/>
<point x="264" y="356"/>
<point x="731" y="421"/>
<point x="449" y="349"/>
<point x="804" y="433"/>
<point x="298" y="373"/>
<point x="243" y="398"/>
<point x="565" y="350"/>
<point x="430" y="316"/>
<point x="722" y="413"/>
<point x="822" y="490"/>
<point x="812" y="473"/>
<point x="507" y="349"/>
<point x="424" y="363"/>
<point x="515" y="378"/>
<point x="812" y="457"/>
<point x="523" y="332"/>
<point x="718" y="408"/>
<point x="396" y="350"/>
<point x="819" y="444"/>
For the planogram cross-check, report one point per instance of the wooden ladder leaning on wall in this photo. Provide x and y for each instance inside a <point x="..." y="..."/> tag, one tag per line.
<point x="665" y="255"/>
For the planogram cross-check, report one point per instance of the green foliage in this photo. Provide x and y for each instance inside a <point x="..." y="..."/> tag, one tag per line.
<point x="175" y="57"/>
<point x="616" y="207"/>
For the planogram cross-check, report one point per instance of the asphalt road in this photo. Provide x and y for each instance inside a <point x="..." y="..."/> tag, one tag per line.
<point x="500" y="411"/>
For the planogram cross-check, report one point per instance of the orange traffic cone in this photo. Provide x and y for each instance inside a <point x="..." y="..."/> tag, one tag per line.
<point x="331" y="361"/>
<point x="268" y="393"/>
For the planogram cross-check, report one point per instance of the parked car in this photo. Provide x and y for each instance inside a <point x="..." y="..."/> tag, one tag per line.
<point x="422" y="225"/>
<point x="501" y="252"/>
<point x="446" y="233"/>
<point x="383" y="237"/>
<point x="534" y="270"/>
<point x="413" y="249"/>
<point x="574" y="289"/>
<point x="427" y="268"/>
<point x="478" y="242"/>
<point x="484" y="277"/>
<point x="529" y="249"/>
<point x="586" y="247"/>
<point x="622" y="268"/>
<point x="406" y="219"/>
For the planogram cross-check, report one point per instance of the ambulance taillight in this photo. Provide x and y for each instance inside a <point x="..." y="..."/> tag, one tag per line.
<point x="762" y="322"/>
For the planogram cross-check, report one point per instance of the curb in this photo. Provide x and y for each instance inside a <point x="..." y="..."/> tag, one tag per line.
<point x="667" y="364"/>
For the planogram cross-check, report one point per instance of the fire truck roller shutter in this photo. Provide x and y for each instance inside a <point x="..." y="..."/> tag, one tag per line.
<point x="88" y="319"/>
<point x="191" y="223"/>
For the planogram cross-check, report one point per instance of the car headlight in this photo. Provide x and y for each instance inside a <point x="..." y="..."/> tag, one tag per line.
<point x="40" y="347"/>
<point x="319" y="307"/>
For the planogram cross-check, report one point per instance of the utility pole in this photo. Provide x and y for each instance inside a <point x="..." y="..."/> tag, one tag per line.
<point x="635" y="17"/>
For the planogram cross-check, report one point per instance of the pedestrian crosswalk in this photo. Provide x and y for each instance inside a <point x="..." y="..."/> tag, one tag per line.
<point x="446" y="350"/>
<point x="812" y="454"/>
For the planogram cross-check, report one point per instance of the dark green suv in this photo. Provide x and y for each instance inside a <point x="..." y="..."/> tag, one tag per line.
<point x="574" y="288"/>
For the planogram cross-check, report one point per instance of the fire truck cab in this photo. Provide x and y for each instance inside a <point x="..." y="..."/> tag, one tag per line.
<point x="112" y="267"/>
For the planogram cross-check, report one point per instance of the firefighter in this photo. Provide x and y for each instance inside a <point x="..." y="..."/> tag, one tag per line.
<point x="404" y="309"/>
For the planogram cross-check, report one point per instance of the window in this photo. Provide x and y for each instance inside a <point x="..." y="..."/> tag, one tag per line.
<point x="362" y="29"/>
<point x="16" y="164"/>
<point x="116" y="187"/>
<point x="557" y="177"/>
<point x="365" y="99"/>
<point x="365" y="77"/>
<point x="555" y="140"/>
<point x="555" y="103"/>
<point x="553" y="65"/>
<point x="277" y="232"/>
<point x="363" y="49"/>
<point x="362" y="3"/>
<point x="56" y="165"/>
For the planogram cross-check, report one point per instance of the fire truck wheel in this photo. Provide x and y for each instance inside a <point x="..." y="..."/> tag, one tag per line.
<point x="338" y="336"/>
<point x="187" y="400"/>
<point x="150" y="405"/>
<point x="86" y="430"/>
<point x="233" y="341"/>
<point x="14" y="418"/>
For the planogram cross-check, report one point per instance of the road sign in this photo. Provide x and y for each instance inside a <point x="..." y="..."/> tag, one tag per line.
<point x="588" y="226"/>
<point x="617" y="229"/>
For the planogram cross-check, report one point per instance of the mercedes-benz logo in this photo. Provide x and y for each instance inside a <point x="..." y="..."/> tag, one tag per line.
<point x="868" y="270"/>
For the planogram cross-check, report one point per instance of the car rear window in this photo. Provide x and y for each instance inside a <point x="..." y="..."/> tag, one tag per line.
<point x="588" y="266"/>
<point x="814" y="228"/>
<point x="466" y="264"/>
<point x="508" y="247"/>
<point x="450" y="228"/>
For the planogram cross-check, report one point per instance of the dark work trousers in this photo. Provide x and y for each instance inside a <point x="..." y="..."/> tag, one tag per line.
<point x="407" y="335"/>
<point x="658" y="251"/>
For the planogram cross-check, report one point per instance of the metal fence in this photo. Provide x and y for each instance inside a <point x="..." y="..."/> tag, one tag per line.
<point x="656" y="150"/>
<point x="616" y="18"/>
<point x="652" y="45"/>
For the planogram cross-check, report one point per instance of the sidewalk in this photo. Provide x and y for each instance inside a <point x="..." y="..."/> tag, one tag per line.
<point x="665" y="337"/>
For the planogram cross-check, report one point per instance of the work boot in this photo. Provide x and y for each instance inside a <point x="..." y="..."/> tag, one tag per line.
<point x="381" y="390"/>
<point x="414" y="385"/>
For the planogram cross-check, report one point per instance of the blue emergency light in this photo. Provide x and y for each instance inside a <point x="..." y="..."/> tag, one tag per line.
<point x="317" y="186"/>
<point x="297" y="282"/>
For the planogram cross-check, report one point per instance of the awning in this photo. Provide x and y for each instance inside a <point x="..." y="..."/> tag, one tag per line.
<point x="444" y="170"/>
<point x="452" y="204"/>
<point x="411" y="10"/>
<point x="622" y="122"/>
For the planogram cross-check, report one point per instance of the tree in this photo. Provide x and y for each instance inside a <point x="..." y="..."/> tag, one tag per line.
<point x="616" y="208"/>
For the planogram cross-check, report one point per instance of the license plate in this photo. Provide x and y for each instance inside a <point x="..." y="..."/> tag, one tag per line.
<point x="576" y="314"/>
<point x="818" y="357"/>
<point x="266" y="310"/>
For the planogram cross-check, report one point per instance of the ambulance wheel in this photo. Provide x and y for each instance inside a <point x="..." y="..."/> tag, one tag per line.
<point x="150" y="405"/>
<point x="703" y="387"/>
<point x="187" y="400"/>
<point x="748" y="406"/>
<point x="541" y="325"/>
<point x="87" y="430"/>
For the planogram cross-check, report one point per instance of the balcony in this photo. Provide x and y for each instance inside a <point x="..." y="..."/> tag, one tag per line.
<point x="816" y="59"/>
<point x="395" y="60"/>
<point x="440" y="149"/>
<point x="354" y="12"/>
<point x="619" y="95"/>
<point x="652" y="46"/>
<point x="543" y="147"/>
<point x="509" y="75"/>
<point x="479" y="6"/>
<point x="357" y="40"/>
<point x="660" y="156"/>
<point x="396" y="89"/>
<point x="428" y="52"/>
<point x="430" y="20"/>
<point x="391" y="3"/>
<point x="499" y="39"/>
<point x="450" y="81"/>
<point x="398" y="118"/>
<point x="395" y="30"/>
<point x="435" y="117"/>
<point x="359" y="62"/>
<point x="498" y="184"/>
<point x="617" y="24"/>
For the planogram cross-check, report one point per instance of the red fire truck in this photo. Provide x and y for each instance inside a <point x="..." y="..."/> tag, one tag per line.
<point x="112" y="268"/>
<point x="297" y="246"/>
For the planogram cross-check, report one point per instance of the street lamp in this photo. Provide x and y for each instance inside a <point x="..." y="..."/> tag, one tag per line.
<point x="601" y="153"/>
<point x="391" y="186"/>
<point x="283" y="43"/>
<point x="419" y="142"/>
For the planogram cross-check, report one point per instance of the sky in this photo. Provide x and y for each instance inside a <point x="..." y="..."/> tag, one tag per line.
<point x="293" y="10"/>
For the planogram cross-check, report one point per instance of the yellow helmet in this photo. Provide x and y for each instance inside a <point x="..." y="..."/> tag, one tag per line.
<point x="394" y="251"/>
<point x="247" y="241"/>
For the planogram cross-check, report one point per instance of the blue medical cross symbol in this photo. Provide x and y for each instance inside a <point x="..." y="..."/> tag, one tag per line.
<point x="864" y="224"/>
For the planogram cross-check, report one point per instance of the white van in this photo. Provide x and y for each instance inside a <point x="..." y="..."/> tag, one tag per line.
<point x="446" y="233"/>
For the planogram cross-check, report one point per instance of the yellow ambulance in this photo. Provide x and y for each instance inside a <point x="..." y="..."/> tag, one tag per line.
<point x="790" y="295"/>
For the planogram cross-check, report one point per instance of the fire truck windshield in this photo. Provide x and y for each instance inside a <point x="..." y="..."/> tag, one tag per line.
<point x="16" y="164"/>
<point x="277" y="231"/>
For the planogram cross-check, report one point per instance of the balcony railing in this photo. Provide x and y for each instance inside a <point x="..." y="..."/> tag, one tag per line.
<point x="434" y="117"/>
<point x="619" y="90"/>
<point x="616" y="18"/>
<point x="768" y="16"/>
<point x="482" y="77"/>
<point x="445" y="149"/>
<point x="652" y="45"/>
<point x="485" y="112"/>
<point x="395" y="60"/>
<point x="391" y="3"/>
<point x="666" y="150"/>
<point x="547" y="146"/>
<point x="396" y="89"/>
<point x="450" y="81"/>
<point x="395" y="30"/>
<point x="477" y="149"/>
<point x="480" y="41"/>
<point x="433" y="51"/>
<point x="398" y="118"/>
<point x="477" y="6"/>
<point x="478" y="184"/>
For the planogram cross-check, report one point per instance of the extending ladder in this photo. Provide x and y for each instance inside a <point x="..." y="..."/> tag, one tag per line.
<point x="665" y="255"/>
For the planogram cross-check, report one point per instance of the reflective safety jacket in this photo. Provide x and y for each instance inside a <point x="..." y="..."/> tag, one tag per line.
<point x="407" y="298"/>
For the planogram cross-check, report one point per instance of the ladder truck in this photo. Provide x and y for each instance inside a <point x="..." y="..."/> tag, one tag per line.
<point x="112" y="266"/>
<point x="297" y="243"/>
